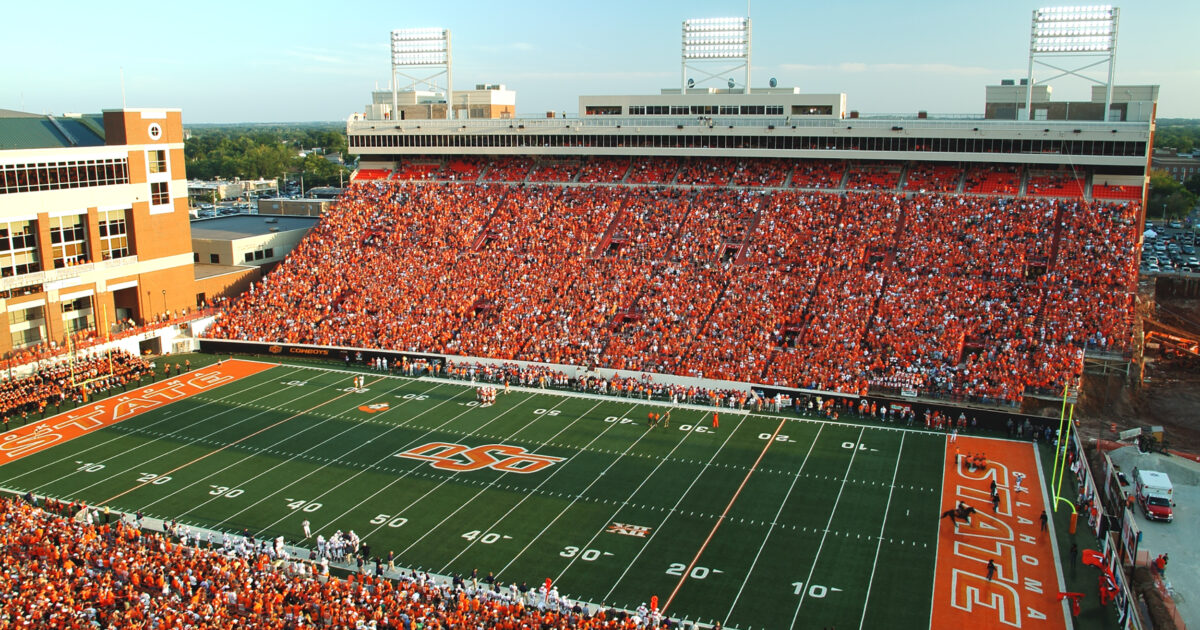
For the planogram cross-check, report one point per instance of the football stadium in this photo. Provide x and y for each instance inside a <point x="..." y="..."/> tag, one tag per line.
<point x="729" y="356"/>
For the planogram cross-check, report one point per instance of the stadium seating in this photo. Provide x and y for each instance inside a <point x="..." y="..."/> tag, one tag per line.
<point x="510" y="170"/>
<point x="818" y="174"/>
<point x="652" y="171"/>
<point x="928" y="177"/>
<point x="368" y="174"/>
<point x="1131" y="193"/>
<point x="1054" y="185"/>
<point x="767" y="172"/>
<point x="873" y="178"/>
<point x="66" y="570"/>
<point x="416" y="170"/>
<point x="558" y="171"/>
<point x="972" y="296"/>
<point x="67" y="381"/>
<point x="706" y="172"/>
<point x="464" y="169"/>
<point x="993" y="179"/>
<point x="604" y="170"/>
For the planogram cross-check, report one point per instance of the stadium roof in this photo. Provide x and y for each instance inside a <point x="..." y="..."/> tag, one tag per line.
<point x="23" y="130"/>
<point x="247" y="225"/>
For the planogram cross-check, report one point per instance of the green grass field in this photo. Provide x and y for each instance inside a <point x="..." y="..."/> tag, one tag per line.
<point x="760" y="523"/>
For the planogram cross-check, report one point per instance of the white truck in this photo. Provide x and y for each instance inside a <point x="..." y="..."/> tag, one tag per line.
<point x="1154" y="494"/>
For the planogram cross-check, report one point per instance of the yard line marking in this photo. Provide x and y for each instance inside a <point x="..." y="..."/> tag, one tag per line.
<point x="218" y="450"/>
<point x="580" y="494"/>
<point x="658" y="529"/>
<point x="561" y="467"/>
<point x="117" y="437"/>
<point x="186" y="444"/>
<point x="482" y="490"/>
<point x="302" y="455"/>
<point x="414" y="471"/>
<point x="832" y="512"/>
<point x="770" y="531"/>
<point x="882" y="525"/>
<point x="721" y="519"/>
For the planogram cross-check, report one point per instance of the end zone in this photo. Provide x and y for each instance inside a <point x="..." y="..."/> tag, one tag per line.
<point x="69" y="425"/>
<point x="1006" y="529"/>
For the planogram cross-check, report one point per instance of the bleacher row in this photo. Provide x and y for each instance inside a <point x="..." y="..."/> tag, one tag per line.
<point x="916" y="177"/>
<point x="967" y="296"/>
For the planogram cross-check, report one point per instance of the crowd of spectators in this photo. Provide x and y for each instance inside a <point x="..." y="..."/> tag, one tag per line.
<point x="63" y="571"/>
<point x="963" y="295"/>
<point x="67" y="381"/>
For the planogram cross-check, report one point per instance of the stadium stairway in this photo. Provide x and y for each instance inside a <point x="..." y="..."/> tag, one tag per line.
<point x="841" y="187"/>
<point x="903" y="179"/>
<point x="485" y="230"/>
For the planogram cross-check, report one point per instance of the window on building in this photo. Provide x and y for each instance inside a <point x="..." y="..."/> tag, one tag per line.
<point x="812" y="110"/>
<point x="603" y="110"/>
<point x="195" y="257"/>
<point x="729" y="110"/>
<point x="22" y="315"/>
<point x="258" y="254"/>
<point x="637" y="110"/>
<point x="158" y="161"/>
<point x="114" y="234"/>
<point x="27" y="337"/>
<point x="159" y="194"/>
<point x="77" y="314"/>
<point x="19" y="178"/>
<point x="214" y="259"/>
<point x="774" y="110"/>
<point x="679" y="110"/>
<point x="18" y="248"/>
<point x="270" y="252"/>
<point x="249" y="256"/>
<point x="68" y="240"/>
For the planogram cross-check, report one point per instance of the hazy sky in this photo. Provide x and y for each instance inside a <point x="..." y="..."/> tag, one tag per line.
<point x="295" y="61"/>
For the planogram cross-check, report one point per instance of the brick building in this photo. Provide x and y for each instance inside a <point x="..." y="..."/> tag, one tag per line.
<point x="93" y="223"/>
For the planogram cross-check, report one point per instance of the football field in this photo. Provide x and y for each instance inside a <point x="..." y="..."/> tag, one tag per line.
<point x="764" y="521"/>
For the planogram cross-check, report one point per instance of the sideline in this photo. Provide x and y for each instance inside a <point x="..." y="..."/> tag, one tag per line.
<point x="1024" y="591"/>
<point x="66" y="426"/>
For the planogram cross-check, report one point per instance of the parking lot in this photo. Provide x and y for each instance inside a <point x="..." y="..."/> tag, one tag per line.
<point x="1169" y="248"/>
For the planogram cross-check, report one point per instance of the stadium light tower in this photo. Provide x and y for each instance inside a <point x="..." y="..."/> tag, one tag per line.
<point x="417" y="52"/>
<point x="720" y="43"/>
<point x="1083" y="35"/>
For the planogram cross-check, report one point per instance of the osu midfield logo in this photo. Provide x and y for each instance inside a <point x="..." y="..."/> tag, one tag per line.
<point x="461" y="458"/>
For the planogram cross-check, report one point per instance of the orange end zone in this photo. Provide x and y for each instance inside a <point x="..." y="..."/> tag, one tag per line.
<point x="43" y="434"/>
<point x="1023" y="593"/>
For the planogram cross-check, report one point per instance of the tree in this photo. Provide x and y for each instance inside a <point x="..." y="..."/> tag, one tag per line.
<point x="1193" y="184"/>
<point x="1168" y="196"/>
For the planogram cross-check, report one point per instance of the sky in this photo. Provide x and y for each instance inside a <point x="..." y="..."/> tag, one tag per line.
<point x="267" y="61"/>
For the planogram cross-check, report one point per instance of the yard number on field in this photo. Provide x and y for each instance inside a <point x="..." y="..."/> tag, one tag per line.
<point x="225" y="491"/>
<point x="814" y="590"/>
<point x="698" y="573"/>
<point x="487" y="538"/>
<point x="296" y="383"/>
<point x="89" y="467"/>
<point x="304" y="505"/>
<point x="153" y="478"/>
<point x="588" y="555"/>
<point x="389" y="520"/>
